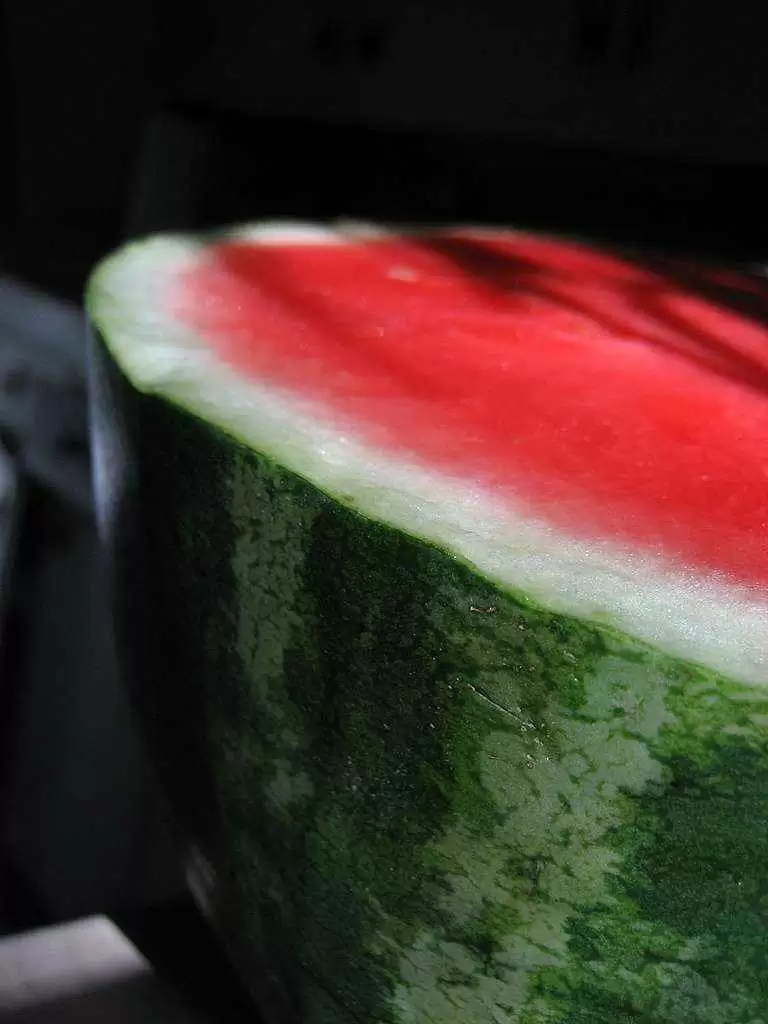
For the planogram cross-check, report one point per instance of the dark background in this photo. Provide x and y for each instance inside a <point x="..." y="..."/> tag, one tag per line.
<point x="641" y="122"/>
<point x="646" y="117"/>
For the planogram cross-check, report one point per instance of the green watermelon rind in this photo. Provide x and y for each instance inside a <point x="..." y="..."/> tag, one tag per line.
<point x="416" y="811"/>
<point x="425" y="796"/>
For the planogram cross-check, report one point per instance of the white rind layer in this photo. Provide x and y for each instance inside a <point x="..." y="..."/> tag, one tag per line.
<point x="695" y="616"/>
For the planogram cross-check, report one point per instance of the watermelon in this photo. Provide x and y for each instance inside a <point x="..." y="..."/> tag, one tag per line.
<point x="441" y="571"/>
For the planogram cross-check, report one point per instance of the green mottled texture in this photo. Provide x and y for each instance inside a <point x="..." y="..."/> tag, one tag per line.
<point x="425" y="800"/>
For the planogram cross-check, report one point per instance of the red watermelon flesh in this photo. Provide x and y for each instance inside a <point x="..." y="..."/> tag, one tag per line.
<point x="618" y="399"/>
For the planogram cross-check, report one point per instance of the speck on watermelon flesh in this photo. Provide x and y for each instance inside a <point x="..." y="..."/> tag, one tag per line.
<point x="557" y="457"/>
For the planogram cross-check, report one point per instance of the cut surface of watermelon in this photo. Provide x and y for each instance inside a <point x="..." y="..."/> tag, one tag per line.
<point x="440" y="565"/>
<point x="560" y="417"/>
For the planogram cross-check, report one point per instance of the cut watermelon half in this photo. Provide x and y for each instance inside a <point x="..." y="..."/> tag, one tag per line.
<point x="465" y="530"/>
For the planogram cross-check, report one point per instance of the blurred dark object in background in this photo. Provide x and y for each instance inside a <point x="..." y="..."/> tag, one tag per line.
<point x="642" y="123"/>
<point x="73" y="795"/>
<point x="279" y="168"/>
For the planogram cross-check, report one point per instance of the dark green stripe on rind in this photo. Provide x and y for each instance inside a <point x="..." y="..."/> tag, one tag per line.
<point x="426" y="799"/>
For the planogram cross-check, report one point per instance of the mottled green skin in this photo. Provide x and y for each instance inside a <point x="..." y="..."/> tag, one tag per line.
<point x="425" y="800"/>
